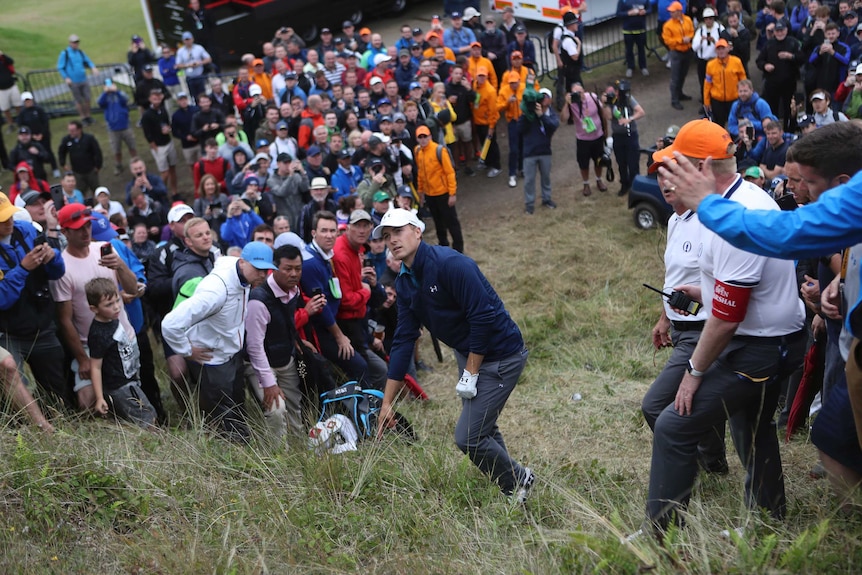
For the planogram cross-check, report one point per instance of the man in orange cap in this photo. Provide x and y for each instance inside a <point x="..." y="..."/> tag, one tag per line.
<point x="753" y="338"/>
<point x="677" y="34"/>
<point x="477" y="61"/>
<point x="485" y="116"/>
<point x="437" y="187"/>
<point x="509" y="104"/>
<point x="258" y="76"/>
<point x="723" y="73"/>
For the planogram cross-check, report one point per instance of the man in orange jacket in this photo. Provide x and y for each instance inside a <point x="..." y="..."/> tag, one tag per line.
<point x="437" y="187"/>
<point x="509" y="104"/>
<point x="723" y="73"/>
<point x="485" y="116"/>
<point x="677" y="34"/>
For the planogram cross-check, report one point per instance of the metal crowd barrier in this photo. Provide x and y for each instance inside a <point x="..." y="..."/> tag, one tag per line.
<point x="602" y="44"/>
<point x="51" y="92"/>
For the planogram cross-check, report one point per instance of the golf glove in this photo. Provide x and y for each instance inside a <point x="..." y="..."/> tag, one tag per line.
<point x="466" y="387"/>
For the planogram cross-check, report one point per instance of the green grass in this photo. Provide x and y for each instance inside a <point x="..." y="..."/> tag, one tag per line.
<point x="97" y="497"/>
<point x="34" y="34"/>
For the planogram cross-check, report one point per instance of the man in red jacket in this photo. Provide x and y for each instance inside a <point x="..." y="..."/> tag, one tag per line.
<point x="211" y="163"/>
<point x="358" y="286"/>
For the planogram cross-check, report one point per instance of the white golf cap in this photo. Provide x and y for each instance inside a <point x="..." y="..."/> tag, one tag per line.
<point x="708" y="13"/>
<point x="27" y="96"/>
<point x="397" y="218"/>
<point x="255" y="90"/>
<point x="859" y="69"/>
<point x="178" y="212"/>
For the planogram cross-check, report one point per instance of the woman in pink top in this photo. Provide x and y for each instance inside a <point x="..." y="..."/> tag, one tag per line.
<point x="587" y="113"/>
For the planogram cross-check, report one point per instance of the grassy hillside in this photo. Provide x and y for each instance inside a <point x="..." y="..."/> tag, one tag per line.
<point x="34" y="34"/>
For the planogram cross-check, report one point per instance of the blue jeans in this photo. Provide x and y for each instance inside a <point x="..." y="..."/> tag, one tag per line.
<point x="476" y="432"/>
<point x="543" y="165"/>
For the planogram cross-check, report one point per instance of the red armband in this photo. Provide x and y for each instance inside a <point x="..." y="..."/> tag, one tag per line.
<point x="730" y="302"/>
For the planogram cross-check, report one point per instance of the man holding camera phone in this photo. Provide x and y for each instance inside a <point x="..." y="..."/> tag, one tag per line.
<point x="359" y="289"/>
<point x="84" y="261"/>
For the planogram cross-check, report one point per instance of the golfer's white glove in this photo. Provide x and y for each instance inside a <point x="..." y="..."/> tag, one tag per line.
<point x="466" y="387"/>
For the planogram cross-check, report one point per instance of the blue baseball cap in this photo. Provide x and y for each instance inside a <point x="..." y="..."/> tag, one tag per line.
<point x="259" y="255"/>
<point x="252" y="180"/>
<point x="262" y="142"/>
<point x="414" y="85"/>
<point x="188" y="36"/>
<point x="313" y="151"/>
<point x="102" y="229"/>
<point x="282" y="125"/>
<point x="383" y="102"/>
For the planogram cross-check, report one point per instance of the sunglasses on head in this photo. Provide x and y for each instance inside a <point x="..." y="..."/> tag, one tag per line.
<point x="78" y="214"/>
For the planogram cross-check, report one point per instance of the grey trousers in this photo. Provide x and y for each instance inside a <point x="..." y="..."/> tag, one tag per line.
<point x="476" y="432"/>
<point x="532" y="164"/>
<point x="663" y="390"/>
<point x="743" y="385"/>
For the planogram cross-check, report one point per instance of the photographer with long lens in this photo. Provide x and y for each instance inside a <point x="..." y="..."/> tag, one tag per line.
<point x="623" y="111"/>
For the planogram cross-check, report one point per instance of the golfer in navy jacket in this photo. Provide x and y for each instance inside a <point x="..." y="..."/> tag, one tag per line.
<point x="445" y="291"/>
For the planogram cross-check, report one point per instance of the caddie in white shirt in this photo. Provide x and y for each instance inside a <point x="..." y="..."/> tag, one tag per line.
<point x="753" y="338"/>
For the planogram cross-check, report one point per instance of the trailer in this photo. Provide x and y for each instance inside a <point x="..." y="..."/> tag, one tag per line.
<point x="549" y="10"/>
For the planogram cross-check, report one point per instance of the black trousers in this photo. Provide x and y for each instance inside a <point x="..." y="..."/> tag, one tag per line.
<point x="222" y="396"/>
<point x="445" y="221"/>
<point x="492" y="160"/>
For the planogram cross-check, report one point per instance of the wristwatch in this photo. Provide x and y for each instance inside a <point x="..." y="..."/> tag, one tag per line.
<point x="691" y="369"/>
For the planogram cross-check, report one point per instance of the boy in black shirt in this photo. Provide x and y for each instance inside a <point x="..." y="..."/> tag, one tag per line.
<point x="115" y="360"/>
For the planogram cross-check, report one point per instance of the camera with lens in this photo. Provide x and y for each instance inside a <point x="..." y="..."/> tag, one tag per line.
<point x="576" y="97"/>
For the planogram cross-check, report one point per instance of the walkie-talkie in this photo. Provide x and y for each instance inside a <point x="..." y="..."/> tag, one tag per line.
<point x="679" y="300"/>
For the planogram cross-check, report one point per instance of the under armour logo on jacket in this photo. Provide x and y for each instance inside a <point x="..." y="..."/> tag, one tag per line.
<point x="433" y="289"/>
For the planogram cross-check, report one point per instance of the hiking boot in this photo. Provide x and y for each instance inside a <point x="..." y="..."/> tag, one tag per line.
<point x="587" y="190"/>
<point x="601" y="185"/>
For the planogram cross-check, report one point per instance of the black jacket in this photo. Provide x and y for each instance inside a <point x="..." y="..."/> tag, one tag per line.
<point x="785" y="70"/>
<point x="84" y="154"/>
<point x="152" y="122"/>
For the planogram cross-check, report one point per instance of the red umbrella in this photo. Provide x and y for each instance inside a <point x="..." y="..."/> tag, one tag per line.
<point x="809" y="385"/>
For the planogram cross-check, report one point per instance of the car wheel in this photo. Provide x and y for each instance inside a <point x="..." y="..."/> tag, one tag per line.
<point x="356" y="17"/>
<point x="645" y="216"/>
<point x="309" y="35"/>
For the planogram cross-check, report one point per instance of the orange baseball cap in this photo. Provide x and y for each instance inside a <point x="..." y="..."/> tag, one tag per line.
<point x="697" y="139"/>
<point x="674" y="7"/>
<point x="433" y="34"/>
<point x="475" y="45"/>
<point x="257" y="62"/>
<point x="423" y="130"/>
<point x="364" y="31"/>
<point x="513" y="76"/>
<point x="482" y="71"/>
<point x="722" y="43"/>
<point x="517" y="54"/>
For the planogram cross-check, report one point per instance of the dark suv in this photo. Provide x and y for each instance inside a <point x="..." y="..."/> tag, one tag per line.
<point x="244" y="25"/>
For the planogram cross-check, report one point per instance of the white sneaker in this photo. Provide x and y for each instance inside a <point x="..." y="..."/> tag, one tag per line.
<point x="493" y="172"/>
<point x="644" y="72"/>
<point x="512" y="181"/>
<point x="629" y="72"/>
<point x="522" y="492"/>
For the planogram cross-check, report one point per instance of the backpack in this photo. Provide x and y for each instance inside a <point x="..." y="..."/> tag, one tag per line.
<point x="361" y="407"/>
<point x="186" y="291"/>
<point x="440" y="148"/>
<point x="549" y="37"/>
